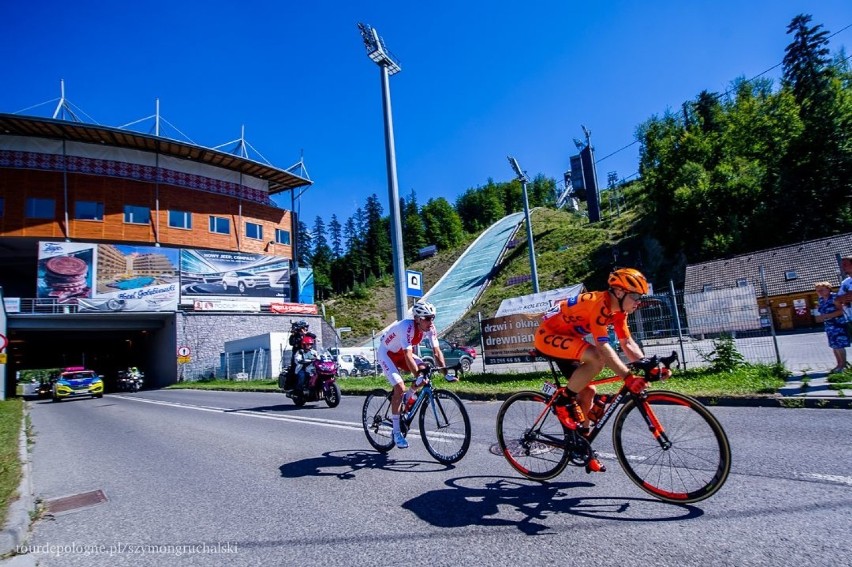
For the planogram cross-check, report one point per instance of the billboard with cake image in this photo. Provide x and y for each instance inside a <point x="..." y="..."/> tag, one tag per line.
<point x="115" y="277"/>
<point x="65" y="270"/>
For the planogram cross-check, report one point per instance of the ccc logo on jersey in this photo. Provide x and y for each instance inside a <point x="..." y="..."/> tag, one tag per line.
<point x="559" y="341"/>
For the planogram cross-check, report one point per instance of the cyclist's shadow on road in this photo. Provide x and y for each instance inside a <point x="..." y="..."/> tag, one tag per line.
<point x="344" y="464"/>
<point x="478" y="500"/>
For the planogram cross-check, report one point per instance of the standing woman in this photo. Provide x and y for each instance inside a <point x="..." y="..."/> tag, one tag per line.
<point x="835" y="324"/>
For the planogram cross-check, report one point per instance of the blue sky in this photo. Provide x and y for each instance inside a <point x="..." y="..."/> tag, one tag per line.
<point x="480" y="80"/>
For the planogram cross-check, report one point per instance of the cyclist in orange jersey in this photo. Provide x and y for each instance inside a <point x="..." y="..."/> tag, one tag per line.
<point x="561" y="336"/>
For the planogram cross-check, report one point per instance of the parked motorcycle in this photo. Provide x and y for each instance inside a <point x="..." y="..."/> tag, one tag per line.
<point x="363" y="367"/>
<point x="321" y="384"/>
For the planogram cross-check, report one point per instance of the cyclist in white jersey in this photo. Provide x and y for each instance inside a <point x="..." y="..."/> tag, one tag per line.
<point x="396" y="354"/>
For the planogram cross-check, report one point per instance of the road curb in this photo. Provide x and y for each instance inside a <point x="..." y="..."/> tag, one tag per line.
<point x="14" y="532"/>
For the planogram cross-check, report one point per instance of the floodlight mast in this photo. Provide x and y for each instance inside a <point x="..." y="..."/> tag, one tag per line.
<point x="388" y="65"/>
<point x="524" y="179"/>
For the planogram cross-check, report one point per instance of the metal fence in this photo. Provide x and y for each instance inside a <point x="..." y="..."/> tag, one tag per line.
<point x="692" y="324"/>
<point x="246" y="365"/>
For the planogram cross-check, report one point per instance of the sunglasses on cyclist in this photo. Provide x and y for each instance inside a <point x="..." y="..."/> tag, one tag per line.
<point x="428" y="318"/>
<point x="636" y="297"/>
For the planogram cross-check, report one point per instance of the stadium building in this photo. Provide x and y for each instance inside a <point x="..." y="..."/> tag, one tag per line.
<point x="120" y="249"/>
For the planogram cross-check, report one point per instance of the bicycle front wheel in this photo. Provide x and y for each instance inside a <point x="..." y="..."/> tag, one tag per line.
<point x="445" y="427"/>
<point x="531" y="437"/>
<point x="684" y="458"/>
<point x="377" y="420"/>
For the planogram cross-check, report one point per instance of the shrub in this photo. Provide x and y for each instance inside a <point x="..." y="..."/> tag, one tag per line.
<point x="724" y="357"/>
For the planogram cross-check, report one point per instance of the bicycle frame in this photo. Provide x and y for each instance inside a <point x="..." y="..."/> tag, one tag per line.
<point x="408" y="416"/>
<point x="609" y="409"/>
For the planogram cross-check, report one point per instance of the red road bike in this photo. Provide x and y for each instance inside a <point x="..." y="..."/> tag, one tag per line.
<point x="669" y="444"/>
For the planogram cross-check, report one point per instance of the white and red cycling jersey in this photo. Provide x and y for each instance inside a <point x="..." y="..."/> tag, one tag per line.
<point x="392" y="345"/>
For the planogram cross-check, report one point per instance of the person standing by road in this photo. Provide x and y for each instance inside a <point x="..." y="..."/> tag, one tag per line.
<point x="844" y="294"/>
<point x="396" y="354"/>
<point x="835" y="324"/>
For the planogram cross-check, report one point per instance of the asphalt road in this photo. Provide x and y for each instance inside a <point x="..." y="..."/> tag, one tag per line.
<point x="261" y="482"/>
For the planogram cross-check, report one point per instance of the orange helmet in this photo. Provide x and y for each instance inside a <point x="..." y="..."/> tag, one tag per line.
<point x="630" y="280"/>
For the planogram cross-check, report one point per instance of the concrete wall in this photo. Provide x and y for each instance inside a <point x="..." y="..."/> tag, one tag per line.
<point x="206" y="334"/>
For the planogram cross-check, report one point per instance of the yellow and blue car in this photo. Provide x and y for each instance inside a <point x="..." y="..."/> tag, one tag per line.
<point x="76" y="381"/>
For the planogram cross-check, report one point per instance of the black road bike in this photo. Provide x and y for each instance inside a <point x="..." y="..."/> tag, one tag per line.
<point x="442" y="419"/>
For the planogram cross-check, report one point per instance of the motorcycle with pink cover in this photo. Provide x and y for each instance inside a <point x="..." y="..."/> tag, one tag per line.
<point x="321" y="384"/>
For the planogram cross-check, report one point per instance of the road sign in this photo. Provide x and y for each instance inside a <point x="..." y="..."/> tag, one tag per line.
<point x="183" y="359"/>
<point x="414" y="283"/>
<point x="2" y="358"/>
<point x="184" y="351"/>
<point x="3" y="342"/>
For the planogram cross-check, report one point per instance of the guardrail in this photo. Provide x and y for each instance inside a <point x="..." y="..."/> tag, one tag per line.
<point x="45" y="306"/>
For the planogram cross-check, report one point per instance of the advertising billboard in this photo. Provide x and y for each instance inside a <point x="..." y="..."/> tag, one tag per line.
<point x="106" y="277"/>
<point x="215" y="275"/>
<point x="509" y="339"/>
<point x="66" y="270"/>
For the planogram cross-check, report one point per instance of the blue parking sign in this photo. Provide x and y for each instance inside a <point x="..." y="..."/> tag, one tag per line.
<point x="414" y="283"/>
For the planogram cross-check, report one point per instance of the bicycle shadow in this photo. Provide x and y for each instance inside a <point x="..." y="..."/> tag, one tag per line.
<point x="345" y="464"/>
<point x="282" y="408"/>
<point x="480" y="504"/>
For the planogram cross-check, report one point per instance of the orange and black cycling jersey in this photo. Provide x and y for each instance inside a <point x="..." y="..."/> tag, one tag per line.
<point x="587" y="314"/>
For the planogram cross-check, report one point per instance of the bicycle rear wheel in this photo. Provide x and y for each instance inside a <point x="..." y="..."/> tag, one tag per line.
<point x="695" y="458"/>
<point x="445" y="427"/>
<point x="534" y="444"/>
<point x="376" y="417"/>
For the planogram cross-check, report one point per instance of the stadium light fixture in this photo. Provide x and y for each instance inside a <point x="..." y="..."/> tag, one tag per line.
<point x="388" y="65"/>
<point x="524" y="179"/>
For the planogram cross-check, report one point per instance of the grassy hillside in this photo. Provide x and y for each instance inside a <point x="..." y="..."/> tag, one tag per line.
<point x="568" y="251"/>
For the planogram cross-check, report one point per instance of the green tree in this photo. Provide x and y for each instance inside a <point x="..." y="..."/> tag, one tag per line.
<point x="335" y="233"/>
<point x="818" y="178"/>
<point x="304" y="246"/>
<point x="542" y="191"/>
<point x="321" y="260"/>
<point x="443" y="224"/>
<point x="413" y="229"/>
<point x="377" y="238"/>
<point x="481" y="207"/>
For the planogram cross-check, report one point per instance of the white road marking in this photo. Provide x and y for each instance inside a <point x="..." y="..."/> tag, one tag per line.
<point x="829" y="478"/>
<point x="249" y="413"/>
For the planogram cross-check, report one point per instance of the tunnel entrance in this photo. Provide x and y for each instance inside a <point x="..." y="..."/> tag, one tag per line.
<point x="104" y="344"/>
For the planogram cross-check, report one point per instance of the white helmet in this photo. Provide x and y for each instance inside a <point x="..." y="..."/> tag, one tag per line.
<point x="423" y="309"/>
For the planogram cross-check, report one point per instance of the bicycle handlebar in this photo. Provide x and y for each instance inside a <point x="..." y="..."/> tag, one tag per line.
<point x="428" y="369"/>
<point x="651" y="366"/>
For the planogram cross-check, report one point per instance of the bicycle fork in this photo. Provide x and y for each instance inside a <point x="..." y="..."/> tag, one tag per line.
<point x="654" y="425"/>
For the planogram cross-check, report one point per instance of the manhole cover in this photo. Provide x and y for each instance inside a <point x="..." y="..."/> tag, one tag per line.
<point x="75" y="502"/>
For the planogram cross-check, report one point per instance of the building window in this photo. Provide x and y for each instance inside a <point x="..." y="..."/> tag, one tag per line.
<point x="180" y="219"/>
<point x="791" y="275"/>
<point x="40" y="208"/>
<point x="742" y="282"/>
<point x="89" y="210"/>
<point x="282" y="236"/>
<point x="220" y="225"/>
<point x="254" y="230"/>
<point x="136" y="214"/>
<point x="707" y="287"/>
